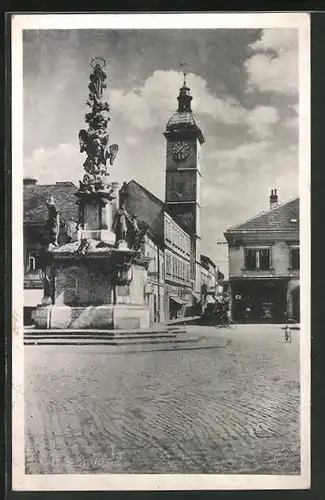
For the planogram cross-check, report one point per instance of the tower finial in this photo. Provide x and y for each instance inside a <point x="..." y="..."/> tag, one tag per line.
<point x="183" y="65"/>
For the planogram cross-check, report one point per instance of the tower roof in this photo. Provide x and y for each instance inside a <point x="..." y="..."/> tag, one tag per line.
<point x="184" y="118"/>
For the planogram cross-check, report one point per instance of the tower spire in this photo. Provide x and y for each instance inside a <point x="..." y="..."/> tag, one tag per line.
<point x="183" y="65"/>
<point x="184" y="98"/>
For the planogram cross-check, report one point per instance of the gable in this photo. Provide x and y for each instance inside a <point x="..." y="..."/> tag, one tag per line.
<point x="284" y="217"/>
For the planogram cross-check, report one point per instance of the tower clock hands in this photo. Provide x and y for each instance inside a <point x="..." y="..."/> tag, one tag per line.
<point x="181" y="150"/>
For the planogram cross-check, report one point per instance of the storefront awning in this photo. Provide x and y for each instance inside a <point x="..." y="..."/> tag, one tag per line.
<point x="177" y="300"/>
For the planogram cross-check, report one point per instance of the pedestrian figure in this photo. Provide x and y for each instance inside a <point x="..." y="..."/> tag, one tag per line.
<point x="287" y="334"/>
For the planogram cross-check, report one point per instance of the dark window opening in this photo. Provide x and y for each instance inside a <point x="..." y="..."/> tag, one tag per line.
<point x="250" y="259"/>
<point x="295" y="259"/>
<point x="264" y="259"/>
<point x="257" y="259"/>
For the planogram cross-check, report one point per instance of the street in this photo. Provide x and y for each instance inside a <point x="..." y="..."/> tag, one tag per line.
<point x="234" y="409"/>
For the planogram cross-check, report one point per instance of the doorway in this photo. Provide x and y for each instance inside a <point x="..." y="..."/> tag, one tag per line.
<point x="295" y="297"/>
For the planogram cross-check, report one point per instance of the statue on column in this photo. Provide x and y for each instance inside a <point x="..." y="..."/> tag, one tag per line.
<point x="95" y="141"/>
<point x="53" y="222"/>
<point x="45" y="274"/>
<point x="120" y="227"/>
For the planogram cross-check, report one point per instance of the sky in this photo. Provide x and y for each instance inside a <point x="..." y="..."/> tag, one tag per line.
<point x="244" y="85"/>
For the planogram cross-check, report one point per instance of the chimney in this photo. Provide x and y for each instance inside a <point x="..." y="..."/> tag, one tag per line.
<point x="28" y="181"/>
<point x="273" y="199"/>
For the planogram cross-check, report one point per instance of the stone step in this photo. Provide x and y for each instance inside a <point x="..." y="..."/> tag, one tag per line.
<point x="99" y="331"/>
<point x="112" y="342"/>
<point x="110" y="336"/>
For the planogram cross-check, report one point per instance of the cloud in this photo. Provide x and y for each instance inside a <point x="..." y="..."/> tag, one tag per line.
<point x="277" y="39"/>
<point x="273" y="66"/>
<point x="152" y="104"/>
<point x="63" y="162"/>
<point x="261" y="119"/>
<point x="131" y="140"/>
<point x="291" y="123"/>
<point x="245" y="176"/>
<point x="243" y="152"/>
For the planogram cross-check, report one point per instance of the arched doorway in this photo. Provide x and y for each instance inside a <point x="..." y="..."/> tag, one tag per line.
<point x="295" y="298"/>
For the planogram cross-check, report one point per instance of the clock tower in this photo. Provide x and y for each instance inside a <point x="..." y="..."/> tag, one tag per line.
<point x="183" y="175"/>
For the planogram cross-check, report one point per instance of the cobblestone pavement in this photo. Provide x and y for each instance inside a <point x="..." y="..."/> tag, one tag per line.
<point x="91" y="409"/>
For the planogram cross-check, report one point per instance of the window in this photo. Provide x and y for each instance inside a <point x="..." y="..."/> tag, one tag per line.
<point x="161" y="268"/>
<point x="166" y="229"/>
<point x="168" y="263"/>
<point x="250" y="259"/>
<point x="295" y="259"/>
<point x="264" y="258"/>
<point x="257" y="259"/>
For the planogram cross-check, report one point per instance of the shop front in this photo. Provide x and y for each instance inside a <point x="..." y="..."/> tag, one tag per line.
<point x="259" y="300"/>
<point x="177" y="307"/>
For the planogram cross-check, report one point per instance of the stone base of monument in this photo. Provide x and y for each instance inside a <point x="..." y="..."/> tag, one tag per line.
<point x="42" y="316"/>
<point x="130" y="316"/>
<point x="119" y="316"/>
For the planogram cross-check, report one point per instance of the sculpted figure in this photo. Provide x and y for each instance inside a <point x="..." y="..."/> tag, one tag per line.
<point x="45" y="276"/>
<point x="53" y="223"/>
<point x="119" y="226"/>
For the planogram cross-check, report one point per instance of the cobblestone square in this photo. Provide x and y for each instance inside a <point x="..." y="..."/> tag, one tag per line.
<point x="94" y="409"/>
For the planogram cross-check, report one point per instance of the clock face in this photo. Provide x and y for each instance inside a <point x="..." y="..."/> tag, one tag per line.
<point x="181" y="150"/>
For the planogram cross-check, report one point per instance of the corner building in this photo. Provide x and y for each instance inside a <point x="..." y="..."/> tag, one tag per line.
<point x="264" y="265"/>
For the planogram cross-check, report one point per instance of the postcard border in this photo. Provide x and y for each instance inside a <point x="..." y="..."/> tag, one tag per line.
<point x="24" y="482"/>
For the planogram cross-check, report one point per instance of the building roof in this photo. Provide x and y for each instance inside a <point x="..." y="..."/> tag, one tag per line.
<point x="284" y="217"/>
<point x="182" y="118"/>
<point x="207" y="261"/>
<point x="154" y="199"/>
<point x="35" y="195"/>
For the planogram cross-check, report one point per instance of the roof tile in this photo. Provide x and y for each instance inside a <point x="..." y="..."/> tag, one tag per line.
<point x="35" y="210"/>
<point x="284" y="217"/>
